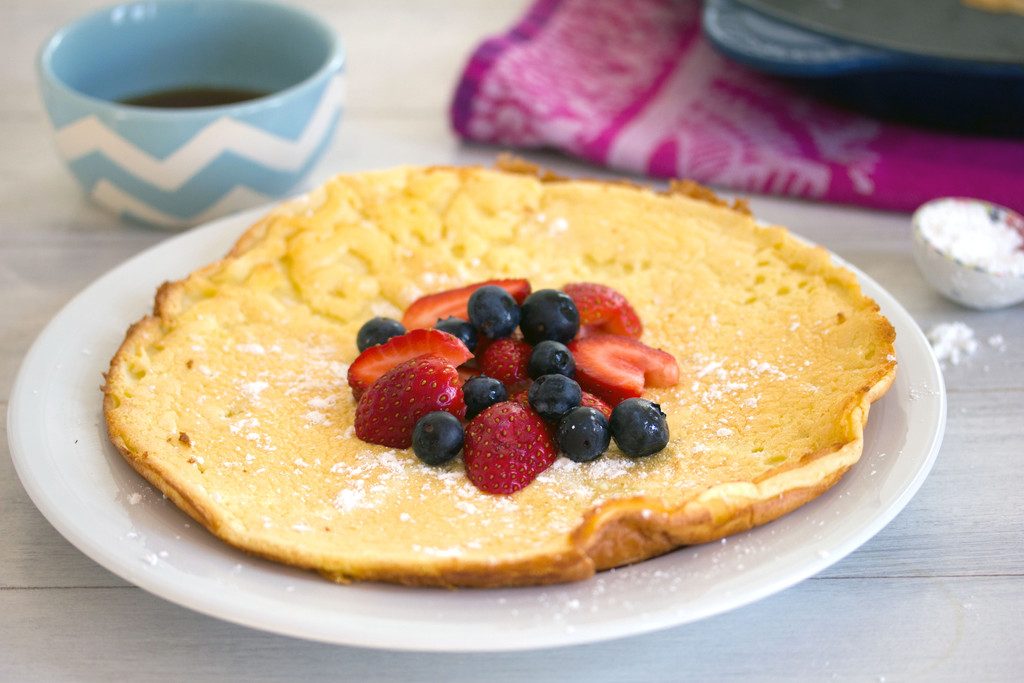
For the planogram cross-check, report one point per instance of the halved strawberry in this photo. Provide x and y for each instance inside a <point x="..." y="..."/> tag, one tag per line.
<point x="615" y="368"/>
<point x="426" y="310"/>
<point x="602" y="309"/>
<point x="506" y="447"/>
<point x="591" y="401"/>
<point x="376" y="360"/>
<point x="506" y="360"/>
<point x="390" y="408"/>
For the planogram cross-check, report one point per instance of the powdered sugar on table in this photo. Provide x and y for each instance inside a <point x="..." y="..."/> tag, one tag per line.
<point x="952" y="342"/>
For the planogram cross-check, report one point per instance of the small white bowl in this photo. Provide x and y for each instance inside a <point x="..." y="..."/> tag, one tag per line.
<point x="966" y="284"/>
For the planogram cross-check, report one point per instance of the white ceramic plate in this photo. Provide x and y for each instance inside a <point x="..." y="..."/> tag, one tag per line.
<point x="84" y="488"/>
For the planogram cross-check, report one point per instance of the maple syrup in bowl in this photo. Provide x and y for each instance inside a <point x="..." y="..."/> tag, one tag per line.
<point x="193" y="96"/>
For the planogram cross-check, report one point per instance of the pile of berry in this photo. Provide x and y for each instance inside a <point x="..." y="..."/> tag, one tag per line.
<point x="534" y="374"/>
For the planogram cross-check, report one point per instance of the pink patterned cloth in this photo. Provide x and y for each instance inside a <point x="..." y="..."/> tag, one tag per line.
<point x="633" y="85"/>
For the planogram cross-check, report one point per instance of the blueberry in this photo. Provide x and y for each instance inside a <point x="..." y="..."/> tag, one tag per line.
<point x="583" y="434"/>
<point x="552" y="396"/>
<point x="459" y="328"/>
<point x="377" y="331"/>
<point x="437" y="437"/>
<point x="551" y="358"/>
<point x="639" y="427"/>
<point x="482" y="392"/>
<point x="493" y="312"/>
<point x="549" y="314"/>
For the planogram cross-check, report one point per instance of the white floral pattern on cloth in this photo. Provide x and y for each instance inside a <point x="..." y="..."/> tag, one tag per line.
<point x="634" y="85"/>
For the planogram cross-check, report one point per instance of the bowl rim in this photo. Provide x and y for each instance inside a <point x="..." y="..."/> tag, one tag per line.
<point x="920" y="238"/>
<point x="333" y="63"/>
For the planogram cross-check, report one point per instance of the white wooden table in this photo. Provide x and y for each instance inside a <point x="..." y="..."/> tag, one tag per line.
<point x="937" y="595"/>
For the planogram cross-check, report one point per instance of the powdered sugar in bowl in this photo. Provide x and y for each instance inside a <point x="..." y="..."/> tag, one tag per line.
<point x="971" y="251"/>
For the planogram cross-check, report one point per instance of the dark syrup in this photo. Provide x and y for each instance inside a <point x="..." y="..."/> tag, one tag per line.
<point x="184" y="98"/>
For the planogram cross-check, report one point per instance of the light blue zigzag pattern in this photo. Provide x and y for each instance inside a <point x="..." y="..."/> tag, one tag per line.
<point x="203" y="189"/>
<point x="157" y="138"/>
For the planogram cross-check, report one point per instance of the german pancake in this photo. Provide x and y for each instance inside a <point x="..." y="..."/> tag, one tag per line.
<point x="231" y="398"/>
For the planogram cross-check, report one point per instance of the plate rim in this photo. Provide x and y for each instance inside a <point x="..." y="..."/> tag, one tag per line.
<point x="252" y="617"/>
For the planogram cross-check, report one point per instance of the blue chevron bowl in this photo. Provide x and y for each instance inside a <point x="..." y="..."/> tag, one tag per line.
<point x="179" y="167"/>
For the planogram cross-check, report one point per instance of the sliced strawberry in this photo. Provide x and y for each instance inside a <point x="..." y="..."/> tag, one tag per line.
<point x="427" y="310"/>
<point x="602" y="309"/>
<point x="506" y="447"/>
<point x="591" y="401"/>
<point x="615" y="368"/>
<point x="506" y="360"/>
<point x="390" y="408"/>
<point x="376" y="360"/>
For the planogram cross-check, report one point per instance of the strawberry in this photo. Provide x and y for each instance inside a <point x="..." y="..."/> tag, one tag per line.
<point x="506" y="360"/>
<point x="427" y="310"/>
<point x="602" y="309"/>
<point x="389" y="409"/>
<point x="377" y="360"/>
<point x="615" y="368"/>
<point x="591" y="401"/>
<point x="506" y="447"/>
